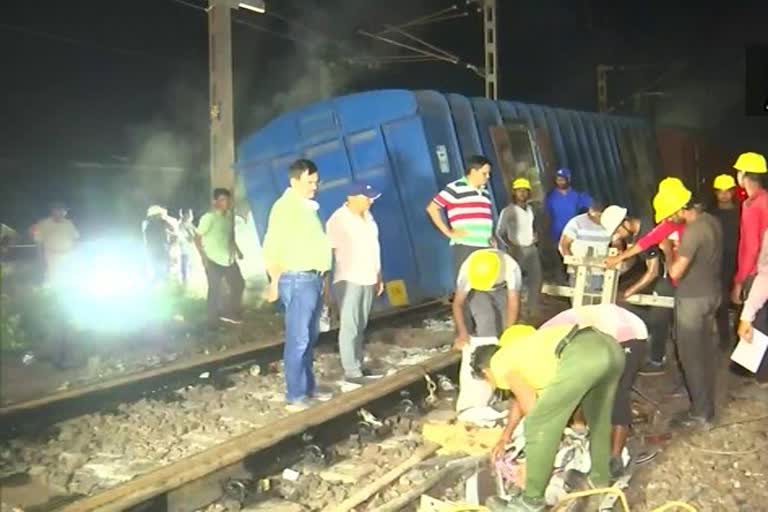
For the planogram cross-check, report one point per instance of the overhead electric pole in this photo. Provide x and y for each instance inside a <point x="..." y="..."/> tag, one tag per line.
<point x="221" y="92"/>
<point x="602" y="87"/>
<point x="490" y="44"/>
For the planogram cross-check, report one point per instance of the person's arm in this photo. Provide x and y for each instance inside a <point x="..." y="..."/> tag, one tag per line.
<point x="525" y="399"/>
<point x="514" y="280"/>
<point x="203" y="227"/>
<point x="273" y="249"/>
<point x="435" y="212"/>
<point x="685" y="254"/>
<point x="505" y="227"/>
<point x="758" y="295"/>
<point x="585" y="200"/>
<point x="570" y="234"/>
<point x="652" y="268"/>
<point x="457" y="308"/>
<point x="565" y="245"/>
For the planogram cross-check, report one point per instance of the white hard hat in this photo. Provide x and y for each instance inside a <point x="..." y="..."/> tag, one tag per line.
<point x="612" y="218"/>
<point x="156" y="210"/>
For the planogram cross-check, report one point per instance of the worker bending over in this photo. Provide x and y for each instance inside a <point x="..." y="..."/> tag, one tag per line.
<point x="490" y="281"/>
<point x="631" y="332"/>
<point x="551" y="372"/>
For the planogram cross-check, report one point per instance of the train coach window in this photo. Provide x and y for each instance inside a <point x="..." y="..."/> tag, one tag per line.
<point x="516" y="154"/>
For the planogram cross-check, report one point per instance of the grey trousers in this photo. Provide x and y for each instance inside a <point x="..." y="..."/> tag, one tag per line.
<point x="489" y="311"/>
<point x="355" y="302"/>
<point x="697" y="348"/>
<point x="530" y="265"/>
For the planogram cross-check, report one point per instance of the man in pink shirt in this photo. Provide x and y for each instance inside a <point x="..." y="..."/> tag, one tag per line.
<point x="354" y="238"/>
<point x="758" y="294"/>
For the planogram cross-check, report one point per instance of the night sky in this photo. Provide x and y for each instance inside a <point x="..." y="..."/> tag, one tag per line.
<point x="125" y="83"/>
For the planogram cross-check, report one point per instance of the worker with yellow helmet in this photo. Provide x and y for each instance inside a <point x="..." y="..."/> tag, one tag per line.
<point x="725" y="208"/>
<point x="751" y="172"/>
<point x="516" y="231"/>
<point x="489" y="284"/>
<point x="550" y="372"/>
<point x="696" y="268"/>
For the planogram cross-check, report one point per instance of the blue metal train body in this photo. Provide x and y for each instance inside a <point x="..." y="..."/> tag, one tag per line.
<point x="409" y="144"/>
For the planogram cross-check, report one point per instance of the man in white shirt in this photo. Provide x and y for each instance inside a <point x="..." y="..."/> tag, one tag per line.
<point x="585" y="233"/>
<point x="56" y="235"/>
<point x="516" y="230"/>
<point x="354" y="237"/>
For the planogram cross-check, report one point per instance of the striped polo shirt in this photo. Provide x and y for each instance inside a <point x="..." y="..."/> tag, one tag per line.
<point x="468" y="209"/>
<point x="586" y="233"/>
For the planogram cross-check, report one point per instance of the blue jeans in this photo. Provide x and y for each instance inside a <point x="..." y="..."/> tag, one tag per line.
<point x="300" y="295"/>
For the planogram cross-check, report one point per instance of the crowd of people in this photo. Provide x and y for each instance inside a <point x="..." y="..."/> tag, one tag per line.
<point x="704" y="252"/>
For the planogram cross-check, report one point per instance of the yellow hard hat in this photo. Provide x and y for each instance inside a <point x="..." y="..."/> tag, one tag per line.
<point x="483" y="270"/>
<point x="521" y="183"/>
<point x="516" y="332"/>
<point x="669" y="201"/>
<point x="724" y="182"/>
<point x="670" y="183"/>
<point x="751" y="162"/>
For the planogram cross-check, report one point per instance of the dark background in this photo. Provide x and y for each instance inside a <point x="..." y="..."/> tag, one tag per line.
<point x="106" y="102"/>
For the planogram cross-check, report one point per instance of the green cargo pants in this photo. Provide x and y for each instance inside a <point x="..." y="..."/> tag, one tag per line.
<point x="589" y="370"/>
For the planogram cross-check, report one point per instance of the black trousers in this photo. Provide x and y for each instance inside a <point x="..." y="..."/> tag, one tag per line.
<point x="217" y="305"/>
<point x="697" y="348"/>
<point x="634" y="353"/>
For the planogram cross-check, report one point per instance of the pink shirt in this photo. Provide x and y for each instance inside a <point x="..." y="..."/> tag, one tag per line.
<point x="356" y="251"/>
<point x="608" y="318"/>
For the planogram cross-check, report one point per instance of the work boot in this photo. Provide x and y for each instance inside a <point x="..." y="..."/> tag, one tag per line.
<point x="687" y="421"/>
<point x="515" y="504"/>
<point x="652" y="368"/>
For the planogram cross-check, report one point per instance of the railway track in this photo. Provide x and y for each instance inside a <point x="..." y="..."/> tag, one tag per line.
<point x="198" y="480"/>
<point x="34" y="415"/>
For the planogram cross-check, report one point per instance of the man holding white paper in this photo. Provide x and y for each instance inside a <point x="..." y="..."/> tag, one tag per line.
<point x="758" y="295"/>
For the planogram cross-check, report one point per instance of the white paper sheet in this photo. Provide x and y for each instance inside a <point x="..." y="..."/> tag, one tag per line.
<point x="750" y="355"/>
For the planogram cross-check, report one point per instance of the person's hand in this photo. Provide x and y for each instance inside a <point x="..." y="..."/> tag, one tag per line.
<point x="745" y="331"/>
<point x="500" y="449"/>
<point x="736" y="294"/>
<point x="460" y="341"/>
<point x="271" y="294"/>
<point x="612" y="261"/>
<point x="458" y="233"/>
<point x="379" y="288"/>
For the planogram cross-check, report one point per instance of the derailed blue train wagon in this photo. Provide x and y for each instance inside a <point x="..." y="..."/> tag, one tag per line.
<point x="409" y="144"/>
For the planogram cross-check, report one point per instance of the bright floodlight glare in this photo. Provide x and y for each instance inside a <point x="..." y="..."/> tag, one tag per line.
<point x="254" y="5"/>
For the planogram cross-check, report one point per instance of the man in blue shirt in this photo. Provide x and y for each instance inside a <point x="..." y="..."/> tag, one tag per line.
<point x="563" y="203"/>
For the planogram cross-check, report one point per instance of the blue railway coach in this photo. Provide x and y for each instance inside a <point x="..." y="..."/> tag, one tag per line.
<point x="409" y="144"/>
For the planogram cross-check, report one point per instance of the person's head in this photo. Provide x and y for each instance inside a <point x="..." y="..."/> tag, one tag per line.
<point x="480" y="362"/>
<point x="595" y="210"/>
<point x="521" y="190"/>
<point x="724" y="186"/>
<point x="672" y="203"/>
<point x="750" y="169"/>
<point x="478" y="171"/>
<point x="303" y="177"/>
<point x="615" y="221"/>
<point x="360" y="197"/>
<point x="58" y="210"/>
<point x="483" y="269"/>
<point x="222" y="199"/>
<point x="563" y="178"/>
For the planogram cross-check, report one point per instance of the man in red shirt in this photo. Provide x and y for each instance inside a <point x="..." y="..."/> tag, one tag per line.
<point x="751" y="170"/>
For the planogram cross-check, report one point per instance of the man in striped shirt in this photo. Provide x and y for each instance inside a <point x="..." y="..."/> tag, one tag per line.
<point x="467" y="204"/>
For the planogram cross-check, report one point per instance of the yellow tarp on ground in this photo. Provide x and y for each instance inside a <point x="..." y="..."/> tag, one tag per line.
<point x="461" y="438"/>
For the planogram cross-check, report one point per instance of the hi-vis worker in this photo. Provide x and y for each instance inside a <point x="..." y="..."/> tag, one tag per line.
<point x="490" y="280"/>
<point x="551" y="372"/>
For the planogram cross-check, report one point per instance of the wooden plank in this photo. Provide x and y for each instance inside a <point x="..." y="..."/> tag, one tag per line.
<point x="178" y="366"/>
<point x="191" y="468"/>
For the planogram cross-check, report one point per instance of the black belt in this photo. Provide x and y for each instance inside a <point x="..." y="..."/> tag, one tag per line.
<point x="567" y="339"/>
